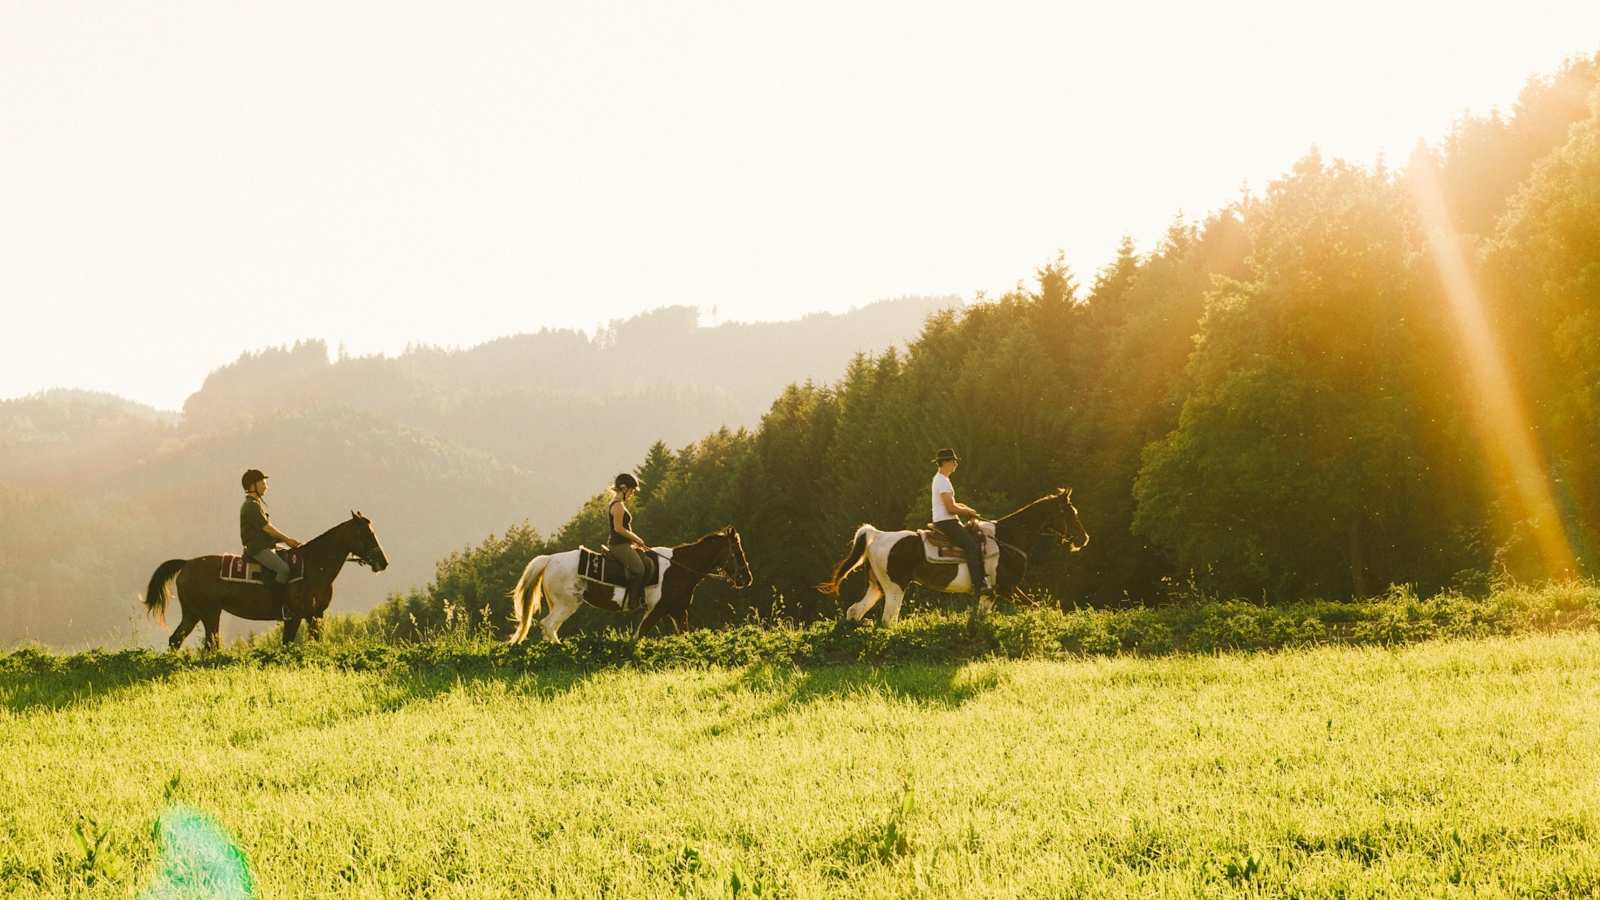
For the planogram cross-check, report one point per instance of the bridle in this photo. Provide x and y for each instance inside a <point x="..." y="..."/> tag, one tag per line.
<point x="718" y="571"/>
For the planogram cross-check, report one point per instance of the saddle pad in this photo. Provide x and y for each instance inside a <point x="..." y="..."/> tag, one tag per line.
<point x="938" y="549"/>
<point x="244" y="569"/>
<point x="602" y="569"/>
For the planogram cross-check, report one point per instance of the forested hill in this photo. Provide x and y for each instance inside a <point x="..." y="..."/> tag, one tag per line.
<point x="438" y="447"/>
<point x="1287" y="399"/>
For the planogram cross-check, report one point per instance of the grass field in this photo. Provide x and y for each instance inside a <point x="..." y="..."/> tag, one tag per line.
<point x="1448" y="767"/>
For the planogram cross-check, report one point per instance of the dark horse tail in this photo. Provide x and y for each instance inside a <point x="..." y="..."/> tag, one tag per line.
<point x="155" y="596"/>
<point x="858" y="552"/>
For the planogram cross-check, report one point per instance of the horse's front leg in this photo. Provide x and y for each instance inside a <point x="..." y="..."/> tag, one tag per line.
<point x="314" y="628"/>
<point x="291" y="627"/>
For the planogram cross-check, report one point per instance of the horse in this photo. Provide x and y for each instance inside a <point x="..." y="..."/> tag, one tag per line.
<point x="896" y="559"/>
<point x="719" y="554"/>
<point x="204" y="596"/>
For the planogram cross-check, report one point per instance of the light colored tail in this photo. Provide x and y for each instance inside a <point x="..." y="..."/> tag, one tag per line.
<point x="160" y="589"/>
<point x="857" y="555"/>
<point x="526" y="597"/>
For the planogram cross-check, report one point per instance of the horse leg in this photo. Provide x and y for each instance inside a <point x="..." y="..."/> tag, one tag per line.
<point x="860" y="608"/>
<point x="650" y="615"/>
<point x="213" y="623"/>
<point x="561" y="609"/>
<point x="314" y="628"/>
<point x="182" y="631"/>
<point x="892" y="595"/>
<point x="291" y="629"/>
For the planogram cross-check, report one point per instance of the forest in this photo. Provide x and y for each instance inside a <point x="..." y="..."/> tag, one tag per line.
<point x="1363" y="376"/>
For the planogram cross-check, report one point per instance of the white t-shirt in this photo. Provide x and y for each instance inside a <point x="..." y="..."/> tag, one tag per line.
<point x="941" y="484"/>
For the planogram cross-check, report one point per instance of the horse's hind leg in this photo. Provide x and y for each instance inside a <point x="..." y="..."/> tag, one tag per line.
<point x="860" y="608"/>
<point x="213" y="623"/>
<point x="314" y="628"/>
<point x="893" y="594"/>
<point x="561" y="609"/>
<point x="182" y="631"/>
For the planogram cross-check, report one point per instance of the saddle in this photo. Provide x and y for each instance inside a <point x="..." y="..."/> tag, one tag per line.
<point x="600" y="568"/>
<point x="246" y="570"/>
<point x="938" y="548"/>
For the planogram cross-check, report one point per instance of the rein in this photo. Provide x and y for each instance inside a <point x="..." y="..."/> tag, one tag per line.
<point x="716" y="572"/>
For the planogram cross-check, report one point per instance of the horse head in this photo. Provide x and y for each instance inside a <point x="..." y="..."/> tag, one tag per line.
<point x="735" y="564"/>
<point x="362" y="542"/>
<point x="1071" y="526"/>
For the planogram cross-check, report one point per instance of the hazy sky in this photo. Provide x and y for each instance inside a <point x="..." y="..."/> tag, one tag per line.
<point x="181" y="181"/>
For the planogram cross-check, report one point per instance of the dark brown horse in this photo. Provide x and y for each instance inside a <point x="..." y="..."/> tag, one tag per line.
<point x="896" y="559"/>
<point x="204" y="596"/>
<point x="719" y="554"/>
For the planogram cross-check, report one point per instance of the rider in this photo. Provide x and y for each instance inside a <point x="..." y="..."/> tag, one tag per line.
<point x="946" y="513"/>
<point x="260" y="538"/>
<point x="623" y="545"/>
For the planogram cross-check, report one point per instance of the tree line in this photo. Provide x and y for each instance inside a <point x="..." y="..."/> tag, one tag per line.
<point x="1290" y="398"/>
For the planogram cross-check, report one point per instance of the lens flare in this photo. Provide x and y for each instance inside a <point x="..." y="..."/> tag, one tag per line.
<point x="198" y="859"/>
<point x="1500" y="420"/>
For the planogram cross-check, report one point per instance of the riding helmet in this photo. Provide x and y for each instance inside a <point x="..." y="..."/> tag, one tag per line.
<point x="626" y="480"/>
<point x="251" y="477"/>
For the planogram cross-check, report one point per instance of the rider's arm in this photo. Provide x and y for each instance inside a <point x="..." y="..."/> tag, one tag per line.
<point x="960" y="509"/>
<point x="616" y="525"/>
<point x="277" y="535"/>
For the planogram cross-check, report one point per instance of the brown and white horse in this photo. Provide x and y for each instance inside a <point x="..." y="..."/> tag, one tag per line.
<point x="896" y="559"/>
<point x="555" y="575"/>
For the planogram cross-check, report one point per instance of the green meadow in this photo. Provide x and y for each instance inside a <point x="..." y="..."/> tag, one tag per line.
<point x="1452" y="766"/>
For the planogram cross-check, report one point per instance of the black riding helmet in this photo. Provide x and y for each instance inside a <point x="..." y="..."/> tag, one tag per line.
<point x="251" y="476"/>
<point x="626" y="481"/>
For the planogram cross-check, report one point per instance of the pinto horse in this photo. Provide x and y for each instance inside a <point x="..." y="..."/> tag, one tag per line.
<point x="896" y="559"/>
<point x="719" y="554"/>
<point x="204" y="596"/>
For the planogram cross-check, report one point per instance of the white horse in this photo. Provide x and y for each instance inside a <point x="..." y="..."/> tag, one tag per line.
<point x="555" y="575"/>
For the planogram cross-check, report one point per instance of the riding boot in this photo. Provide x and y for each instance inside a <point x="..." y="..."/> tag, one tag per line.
<point x="279" y="592"/>
<point x="633" y="597"/>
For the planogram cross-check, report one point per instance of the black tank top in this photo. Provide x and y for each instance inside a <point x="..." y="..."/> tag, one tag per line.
<point x="627" y="523"/>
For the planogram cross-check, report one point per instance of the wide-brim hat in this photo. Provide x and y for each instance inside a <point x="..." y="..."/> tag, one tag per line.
<point x="944" y="455"/>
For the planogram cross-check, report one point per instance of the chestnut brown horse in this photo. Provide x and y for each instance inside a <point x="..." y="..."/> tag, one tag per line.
<point x="896" y="559"/>
<point x="204" y="596"/>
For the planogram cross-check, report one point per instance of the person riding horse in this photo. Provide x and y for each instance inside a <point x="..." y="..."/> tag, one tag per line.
<point x="623" y="545"/>
<point x="260" y="538"/>
<point x="946" y="517"/>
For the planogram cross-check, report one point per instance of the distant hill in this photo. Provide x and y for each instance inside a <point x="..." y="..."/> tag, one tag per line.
<point x="438" y="447"/>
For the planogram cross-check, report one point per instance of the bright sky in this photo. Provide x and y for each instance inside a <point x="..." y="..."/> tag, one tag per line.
<point x="182" y="181"/>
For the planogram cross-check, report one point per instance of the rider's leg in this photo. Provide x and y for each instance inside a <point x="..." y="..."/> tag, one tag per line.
<point x="962" y="538"/>
<point x="278" y="585"/>
<point x="633" y="598"/>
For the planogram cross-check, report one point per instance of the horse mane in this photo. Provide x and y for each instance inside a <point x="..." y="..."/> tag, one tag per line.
<point x="329" y="533"/>
<point x="719" y="533"/>
<point x="1053" y="495"/>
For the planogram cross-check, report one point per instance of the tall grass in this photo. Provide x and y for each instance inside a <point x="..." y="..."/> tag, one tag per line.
<point x="1462" y="766"/>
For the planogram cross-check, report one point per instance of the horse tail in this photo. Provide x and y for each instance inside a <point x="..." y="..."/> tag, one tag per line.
<point x="526" y="596"/>
<point x="858" y="553"/>
<point x="155" y="596"/>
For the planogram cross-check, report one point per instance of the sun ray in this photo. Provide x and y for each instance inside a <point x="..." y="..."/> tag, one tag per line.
<point x="1500" y="419"/>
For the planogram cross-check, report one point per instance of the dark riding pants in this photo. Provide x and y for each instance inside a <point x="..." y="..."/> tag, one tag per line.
<point x="962" y="538"/>
<point x="629" y="556"/>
